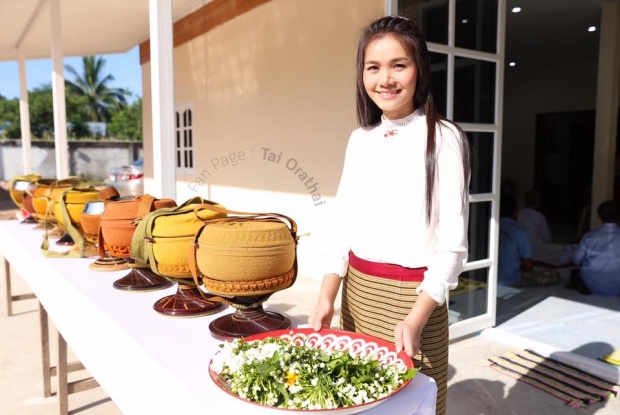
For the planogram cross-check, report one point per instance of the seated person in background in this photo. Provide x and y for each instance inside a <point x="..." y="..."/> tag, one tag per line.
<point x="515" y="266"/>
<point x="534" y="222"/>
<point x="598" y="254"/>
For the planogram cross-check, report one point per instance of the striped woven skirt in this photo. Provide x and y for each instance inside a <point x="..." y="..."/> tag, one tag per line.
<point x="373" y="305"/>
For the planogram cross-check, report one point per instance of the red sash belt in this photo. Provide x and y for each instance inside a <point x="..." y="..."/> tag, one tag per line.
<point x="389" y="271"/>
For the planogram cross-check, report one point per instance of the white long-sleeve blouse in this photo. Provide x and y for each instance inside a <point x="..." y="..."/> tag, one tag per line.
<point x="380" y="210"/>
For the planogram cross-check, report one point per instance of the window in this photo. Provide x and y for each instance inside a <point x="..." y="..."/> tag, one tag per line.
<point x="466" y="41"/>
<point x="184" y="135"/>
<point x="432" y="16"/>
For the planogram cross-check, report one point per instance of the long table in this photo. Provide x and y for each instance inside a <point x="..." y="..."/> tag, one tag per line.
<point x="146" y="363"/>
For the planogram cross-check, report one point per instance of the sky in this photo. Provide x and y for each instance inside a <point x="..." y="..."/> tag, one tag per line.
<point x="124" y="67"/>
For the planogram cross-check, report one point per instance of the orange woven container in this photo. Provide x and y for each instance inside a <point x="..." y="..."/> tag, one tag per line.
<point x="119" y="220"/>
<point x="90" y="218"/>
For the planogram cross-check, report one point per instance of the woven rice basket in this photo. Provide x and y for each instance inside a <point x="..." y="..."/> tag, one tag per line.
<point x="245" y="251"/>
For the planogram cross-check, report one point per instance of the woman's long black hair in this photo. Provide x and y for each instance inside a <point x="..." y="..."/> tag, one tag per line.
<point x="369" y="114"/>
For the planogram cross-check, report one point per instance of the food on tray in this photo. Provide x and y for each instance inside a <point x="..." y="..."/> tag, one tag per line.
<point x="290" y="373"/>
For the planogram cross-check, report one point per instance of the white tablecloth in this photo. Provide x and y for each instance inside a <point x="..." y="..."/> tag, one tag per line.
<point x="146" y="363"/>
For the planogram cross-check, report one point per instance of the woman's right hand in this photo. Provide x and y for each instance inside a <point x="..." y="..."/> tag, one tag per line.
<point x="321" y="315"/>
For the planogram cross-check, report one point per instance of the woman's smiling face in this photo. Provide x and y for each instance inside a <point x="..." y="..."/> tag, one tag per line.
<point x="390" y="77"/>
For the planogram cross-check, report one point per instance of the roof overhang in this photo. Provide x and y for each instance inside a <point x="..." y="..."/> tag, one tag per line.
<point x="89" y="27"/>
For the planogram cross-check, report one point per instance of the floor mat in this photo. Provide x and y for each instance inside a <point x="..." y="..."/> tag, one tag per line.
<point x="466" y="285"/>
<point x="612" y="358"/>
<point x="573" y="386"/>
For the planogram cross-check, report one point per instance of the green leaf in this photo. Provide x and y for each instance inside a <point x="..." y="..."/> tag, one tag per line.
<point x="409" y="374"/>
<point x="284" y="392"/>
<point x="265" y="368"/>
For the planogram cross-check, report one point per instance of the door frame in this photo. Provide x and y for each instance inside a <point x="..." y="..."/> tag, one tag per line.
<point x="475" y="324"/>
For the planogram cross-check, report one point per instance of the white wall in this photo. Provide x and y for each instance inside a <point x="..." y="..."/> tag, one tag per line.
<point x="92" y="160"/>
<point x="279" y="79"/>
<point x="539" y="90"/>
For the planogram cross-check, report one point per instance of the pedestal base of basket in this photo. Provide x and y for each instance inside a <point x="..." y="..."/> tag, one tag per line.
<point x="65" y="240"/>
<point x="140" y="280"/>
<point x="29" y="220"/>
<point x="187" y="302"/>
<point x="249" y="318"/>
<point x="109" y="264"/>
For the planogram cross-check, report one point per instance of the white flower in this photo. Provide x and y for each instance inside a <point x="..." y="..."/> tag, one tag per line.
<point x="222" y="358"/>
<point x="301" y="377"/>
<point x="267" y="350"/>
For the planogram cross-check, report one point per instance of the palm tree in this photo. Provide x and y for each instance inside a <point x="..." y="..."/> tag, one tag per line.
<point x="93" y="85"/>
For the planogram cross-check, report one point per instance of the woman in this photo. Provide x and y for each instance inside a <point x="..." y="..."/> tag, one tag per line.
<point x="401" y="233"/>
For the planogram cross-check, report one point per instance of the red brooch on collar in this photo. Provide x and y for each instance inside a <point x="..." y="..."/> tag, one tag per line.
<point x="390" y="133"/>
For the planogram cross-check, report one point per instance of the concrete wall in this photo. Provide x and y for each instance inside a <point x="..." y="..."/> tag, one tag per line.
<point x="273" y="95"/>
<point x="92" y="160"/>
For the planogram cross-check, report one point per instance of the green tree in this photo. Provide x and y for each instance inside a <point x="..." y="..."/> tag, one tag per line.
<point x="40" y="103"/>
<point x="42" y="113"/>
<point x="93" y="84"/>
<point x="126" y="122"/>
<point x="9" y="118"/>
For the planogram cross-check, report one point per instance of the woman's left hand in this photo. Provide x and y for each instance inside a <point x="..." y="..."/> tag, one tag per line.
<point x="407" y="332"/>
<point x="407" y="336"/>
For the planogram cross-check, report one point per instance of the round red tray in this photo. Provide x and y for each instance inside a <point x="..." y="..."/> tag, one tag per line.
<point x="356" y="343"/>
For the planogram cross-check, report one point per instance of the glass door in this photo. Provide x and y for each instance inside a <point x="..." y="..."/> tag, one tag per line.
<point x="466" y="41"/>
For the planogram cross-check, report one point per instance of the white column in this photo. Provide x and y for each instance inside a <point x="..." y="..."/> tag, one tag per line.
<point x="162" y="97"/>
<point x="391" y="7"/>
<point x="58" y="94"/>
<point x="24" y="116"/>
<point x="606" y="108"/>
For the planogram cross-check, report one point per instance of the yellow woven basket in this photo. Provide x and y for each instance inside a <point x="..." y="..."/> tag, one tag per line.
<point x="43" y="194"/>
<point x="245" y="250"/>
<point x="163" y="237"/>
<point x="20" y="185"/>
<point x="75" y="200"/>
